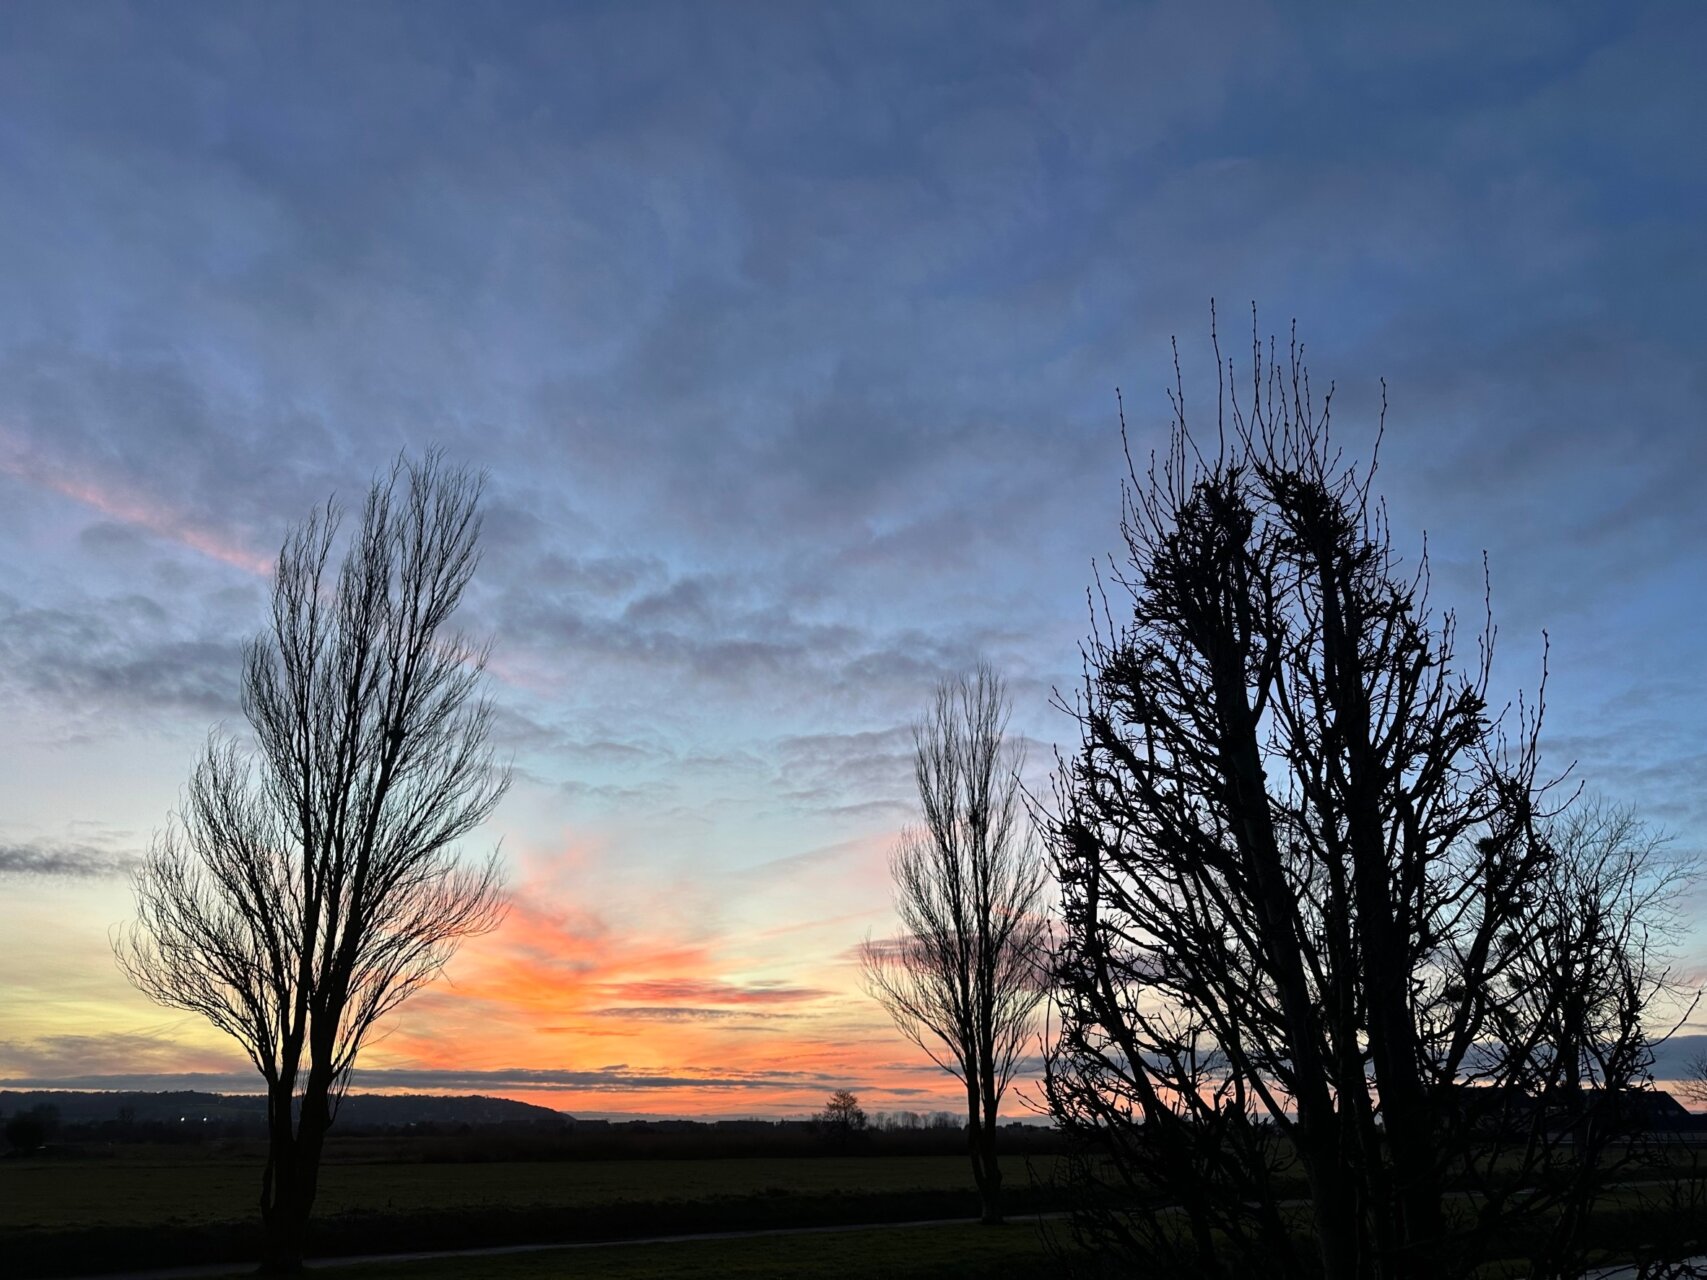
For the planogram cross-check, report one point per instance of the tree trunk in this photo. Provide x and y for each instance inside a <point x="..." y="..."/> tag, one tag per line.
<point x="281" y="1251"/>
<point x="1330" y="1204"/>
<point x="281" y="1223"/>
<point x="292" y="1176"/>
<point x="987" y="1134"/>
<point x="1386" y="939"/>
<point x="981" y="1146"/>
<point x="1241" y="769"/>
<point x="990" y="1187"/>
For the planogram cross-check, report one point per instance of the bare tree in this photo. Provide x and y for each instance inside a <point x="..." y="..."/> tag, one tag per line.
<point x="310" y="885"/>
<point x="1325" y="936"/>
<point x="842" y="1117"/>
<point x="962" y="980"/>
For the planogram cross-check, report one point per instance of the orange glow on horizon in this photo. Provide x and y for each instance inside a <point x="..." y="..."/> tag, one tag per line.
<point x="574" y="1012"/>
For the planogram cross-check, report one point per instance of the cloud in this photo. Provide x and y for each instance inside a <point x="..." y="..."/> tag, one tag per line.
<point x="712" y="992"/>
<point x="154" y="445"/>
<point x="96" y="1055"/>
<point x="128" y="510"/>
<point x="71" y="861"/>
<point x="679" y="1013"/>
<point x="790" y="347"/>
<point x="871" y="769"/>
<point x="125" y="655"/>
<point x="613" y="1079"/>
<point x="1679" y="1056"/>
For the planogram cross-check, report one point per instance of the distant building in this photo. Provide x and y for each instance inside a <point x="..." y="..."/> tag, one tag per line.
<point x="1631" y="1111"/>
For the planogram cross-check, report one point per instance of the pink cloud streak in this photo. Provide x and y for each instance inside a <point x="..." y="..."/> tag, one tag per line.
<point x="118" y="503"/>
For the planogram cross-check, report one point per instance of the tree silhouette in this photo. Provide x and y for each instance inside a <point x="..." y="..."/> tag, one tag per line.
<point x="1323" y="930"/>
<point x="962" y="981"/>
<point x="842" y="1117"/>
<point x="30" y="1129"/>
<point x="310" y="885"/>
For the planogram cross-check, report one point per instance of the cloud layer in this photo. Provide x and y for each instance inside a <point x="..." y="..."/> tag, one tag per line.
<point x="790" y="347"/>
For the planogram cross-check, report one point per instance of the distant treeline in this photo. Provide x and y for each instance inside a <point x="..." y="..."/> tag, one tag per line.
<point x="474" y="1128"/>
<point x="180" y="1115"/>
<point x="690" y="1139"/>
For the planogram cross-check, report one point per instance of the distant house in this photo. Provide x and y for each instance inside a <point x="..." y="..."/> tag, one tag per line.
<point x="1630" y="1111"/>
<point x="1656" y="1111"/>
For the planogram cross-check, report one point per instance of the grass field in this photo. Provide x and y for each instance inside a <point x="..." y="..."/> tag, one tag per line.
<point x="144" y="1208"/>
<point x="40" y="1194"/>
<point x="914" y="1253"/>
<point x="166" y="1207"/>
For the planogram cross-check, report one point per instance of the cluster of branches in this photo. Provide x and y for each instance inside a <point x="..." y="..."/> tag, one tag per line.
<point x="311" y="884"/>
<point x="1327" y="939"/>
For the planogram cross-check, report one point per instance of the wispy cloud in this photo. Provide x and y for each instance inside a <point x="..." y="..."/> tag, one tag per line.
<point x="71" y="861"/>
<point x="516" y="1080"/>
<point x="711" y="992"/>
<point x="679" y="1013"/>
<point x="114" y="502"/>
<point x="115" y="657"/>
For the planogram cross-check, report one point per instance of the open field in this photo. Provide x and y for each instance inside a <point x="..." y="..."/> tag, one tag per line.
<point x="142" y="1207"/>
<point x="163" y="1207"/>
<point x="967" y="1252"/>
<point x="48" y="1195"/>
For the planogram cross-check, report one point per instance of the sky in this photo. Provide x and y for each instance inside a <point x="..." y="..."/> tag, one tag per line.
<point x="789" y="339"/>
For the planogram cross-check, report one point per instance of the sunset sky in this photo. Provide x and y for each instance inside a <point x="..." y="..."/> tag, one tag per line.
<point x="789" y="337"/>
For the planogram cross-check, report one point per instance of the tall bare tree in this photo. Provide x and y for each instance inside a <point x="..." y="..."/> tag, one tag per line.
<point x="962" y="980"/>
<point x="310" y="884"/>
<point x="1324" y="933"/>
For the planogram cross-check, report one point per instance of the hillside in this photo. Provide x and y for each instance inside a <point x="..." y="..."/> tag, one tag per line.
<point x="358" y="1111"/>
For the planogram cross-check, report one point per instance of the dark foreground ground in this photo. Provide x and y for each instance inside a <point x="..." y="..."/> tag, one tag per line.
<point x="1021" y="1250"/>
<point x="90" y="1208"/>
<point x="145" y="1206"/>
